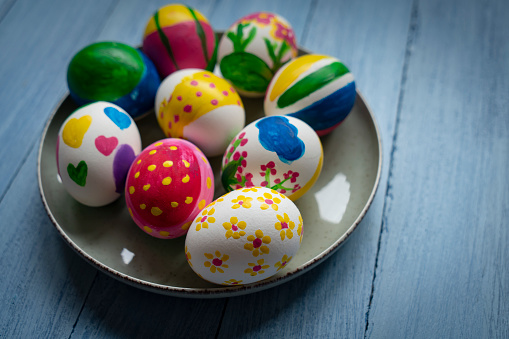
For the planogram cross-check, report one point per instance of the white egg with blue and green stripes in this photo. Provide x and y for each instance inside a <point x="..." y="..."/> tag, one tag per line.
<point x="317" y="89"/>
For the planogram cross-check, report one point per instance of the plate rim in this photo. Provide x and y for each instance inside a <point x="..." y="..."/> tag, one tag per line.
<point x="212" y="292"/>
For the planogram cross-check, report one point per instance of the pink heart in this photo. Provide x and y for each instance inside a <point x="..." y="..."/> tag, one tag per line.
<point x="106" y="145"/>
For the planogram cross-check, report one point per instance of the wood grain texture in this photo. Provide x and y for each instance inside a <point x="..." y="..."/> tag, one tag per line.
<point x="43" y="282"/>
<point x="435" y="75"/>
<point x="117" y="310"/>
<point x="443" y="260"/>
<point x="38" y="39"/>
<point x="370" y="37"/>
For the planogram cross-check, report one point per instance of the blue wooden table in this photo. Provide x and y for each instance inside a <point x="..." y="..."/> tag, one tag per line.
<point x="430" y="259"/>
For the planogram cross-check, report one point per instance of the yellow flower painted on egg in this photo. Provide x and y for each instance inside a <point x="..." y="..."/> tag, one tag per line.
<point x="284" y="261"/>
<point x="216" y="262"/>
<point x="257" y="243"/>
<point x="205" y="218"/>
<point x="232" y="282"/>
<point x="268" y="201"/>
<point x="188" y="257"/>
<point x="234" y="228"/>
<point x="256" y="268"/>
<point x="215" y="201"/>
<point x="251" y="189"/>
<point x="300" y="228"/>
<point x="242" y="201"/>
<point x="285" y="226"/>
<point x="282" y="196"/>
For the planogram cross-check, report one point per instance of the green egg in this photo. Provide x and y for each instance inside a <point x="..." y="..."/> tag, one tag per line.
<point x="104" y="71"/>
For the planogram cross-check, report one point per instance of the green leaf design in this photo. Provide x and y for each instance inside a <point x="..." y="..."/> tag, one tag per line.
<point x="246" y="71"/>
<point x="235" y="40"/>
<point x="282" y="50"/>
<point x="249" y="38"/>
<point x="228" y="175"/>
<point x="270" y="49"/>
<point x="212" y="62"/>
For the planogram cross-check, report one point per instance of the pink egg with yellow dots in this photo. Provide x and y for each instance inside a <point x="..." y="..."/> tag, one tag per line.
<point x="201" y="107"/>
<point x="168" y="184"/>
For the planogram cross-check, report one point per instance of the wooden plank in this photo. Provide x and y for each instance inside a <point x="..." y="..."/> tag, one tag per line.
<point x="5" y="7"/>
<point x="43" y="282"/>
<point x="443" y="259"/>
<point x="117" y="310"/>
<point x="37" y="43"/>
<point x="332" y="300"/>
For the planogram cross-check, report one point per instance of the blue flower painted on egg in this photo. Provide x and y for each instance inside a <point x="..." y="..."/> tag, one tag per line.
<point x="278" y="135"/>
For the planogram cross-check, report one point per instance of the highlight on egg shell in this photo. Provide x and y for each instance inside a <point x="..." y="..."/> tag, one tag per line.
<point x="253" y="49"/>
<point x="317" y="89"/>
<point x="168" y="184"/>
<point x="95" y="148"/>
<point x="244" y="236"/>
<point x="279" y="152"/>
<point x="201" y="107"/>
<point x="113" y="72"/>
<point x="178" y="37"/>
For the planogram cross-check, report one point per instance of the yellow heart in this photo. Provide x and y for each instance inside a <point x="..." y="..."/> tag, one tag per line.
<point x="75" y="129"/>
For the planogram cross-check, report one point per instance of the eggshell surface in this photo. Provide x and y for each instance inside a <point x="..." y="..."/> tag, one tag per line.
<point x="168" y="184"/>
<point x="201" y="107"/>
<point x="244" y="236"/>
<point x="317" y="89"/>
<point x="279" y="152"/>
<point x="113" y="72"/>
<point x="253" y="49"/>
<point x="95" y="148"/>
<point x="178" y="37"/>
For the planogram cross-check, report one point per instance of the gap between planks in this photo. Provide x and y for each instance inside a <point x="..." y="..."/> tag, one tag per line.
<point x="412" y="32"/>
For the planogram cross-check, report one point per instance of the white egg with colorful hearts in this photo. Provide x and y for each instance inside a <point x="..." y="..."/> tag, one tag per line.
<point x="96" y="146"/>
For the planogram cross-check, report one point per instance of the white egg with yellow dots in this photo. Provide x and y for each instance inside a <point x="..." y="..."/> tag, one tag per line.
<point x="244" y="236"/>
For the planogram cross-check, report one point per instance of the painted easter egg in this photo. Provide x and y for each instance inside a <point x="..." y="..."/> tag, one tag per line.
<point x="178" y="37"/>
<point x="201" y="107"/>
<point x="315" y="88"/>
<point x="253" y="49"/>
<point x="280" y="152"/>
<point x="95" y="148"/>
<point x="113" y="72"/>
<point x="168" y="184"/>
<point x="245" y="236"/>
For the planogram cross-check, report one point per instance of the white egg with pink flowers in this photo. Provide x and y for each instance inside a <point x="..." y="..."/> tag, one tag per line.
<point x="277" y="152"/>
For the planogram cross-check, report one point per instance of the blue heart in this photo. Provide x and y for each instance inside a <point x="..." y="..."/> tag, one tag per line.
<point x="120" y="119"/>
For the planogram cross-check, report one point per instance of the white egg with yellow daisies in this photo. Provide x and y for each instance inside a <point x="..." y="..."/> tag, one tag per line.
<point x="245" y="236"/>
<point x="198" y="106"/>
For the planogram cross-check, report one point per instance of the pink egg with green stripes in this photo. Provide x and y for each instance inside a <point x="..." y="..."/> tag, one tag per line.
<point x="317" y="89"/>
<point x="168" y="184"/>
<point x="178" y="37"/>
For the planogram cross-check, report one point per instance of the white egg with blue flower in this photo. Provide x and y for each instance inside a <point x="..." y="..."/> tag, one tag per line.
<point x="278" y="152"/>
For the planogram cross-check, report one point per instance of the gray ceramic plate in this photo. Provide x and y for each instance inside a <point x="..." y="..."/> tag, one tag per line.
<point x="108" y="239"/>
